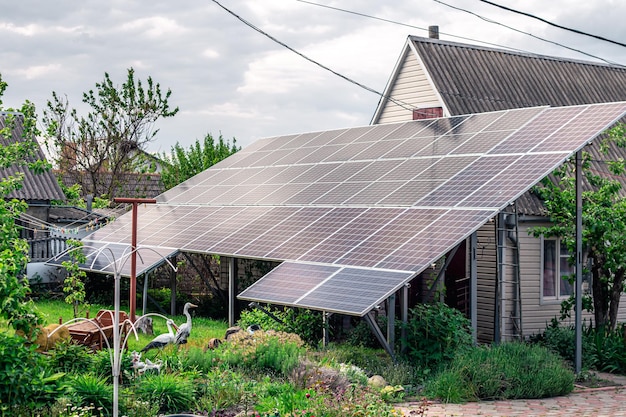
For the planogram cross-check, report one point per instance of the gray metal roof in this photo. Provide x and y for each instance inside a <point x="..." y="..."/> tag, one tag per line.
<point x="474" y="79"/>
<point x="36" y="187"/>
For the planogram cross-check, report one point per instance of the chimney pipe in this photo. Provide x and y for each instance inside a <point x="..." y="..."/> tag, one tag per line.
<point x="433" y="32"/>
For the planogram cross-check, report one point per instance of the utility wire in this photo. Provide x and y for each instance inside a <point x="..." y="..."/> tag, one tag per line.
<point x="525" y="33"/>
<point x="395" y="22"/>
<point x="400" y="103"/>
<point x="580" y="32"/>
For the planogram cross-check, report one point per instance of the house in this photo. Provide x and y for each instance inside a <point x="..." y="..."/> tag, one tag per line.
<point x="46" y="224"/>
<point x="434" y="78"/>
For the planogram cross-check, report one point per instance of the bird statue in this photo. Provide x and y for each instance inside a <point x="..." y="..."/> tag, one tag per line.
<point x="184" y="329"/>
<point x="162" y="340"/>
<point x="253" y="328"/>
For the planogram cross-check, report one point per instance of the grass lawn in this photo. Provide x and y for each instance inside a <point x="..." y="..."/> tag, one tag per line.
<point x="203" y="329"/>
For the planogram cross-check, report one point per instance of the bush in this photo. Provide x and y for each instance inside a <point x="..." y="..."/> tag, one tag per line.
<point x="263" y="350"/>
<point x="375" y="362"/>
<point x="24" y="379"/>
<point x="222" y="389"/>
<point x="507" y="371"/>
<point x="305" y="323"/>
<point x="602" y="350"/>
<point x="89" y="389"/>
<point x="172" y="392"/>
<point x="435" y="333"/>
<point x="70" y="358"/>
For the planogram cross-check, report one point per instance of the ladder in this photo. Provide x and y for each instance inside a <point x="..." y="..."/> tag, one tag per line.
<point x="508" y="301"/>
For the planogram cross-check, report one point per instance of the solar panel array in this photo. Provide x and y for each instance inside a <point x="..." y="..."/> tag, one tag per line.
<point x="362" y="210"/>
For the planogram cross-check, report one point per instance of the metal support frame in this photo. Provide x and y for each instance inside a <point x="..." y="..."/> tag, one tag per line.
<point x="144" y="299"/>
<point x="325" y="328"/>
<point x="499" y="296"/>
<point x="473" y="240"/>
<point x="379" y="335"/>
<point x="232" y="290"/>
<point x="391" y="320"/>
<point x="579" y="266"/>
<point x="404" y="311"/>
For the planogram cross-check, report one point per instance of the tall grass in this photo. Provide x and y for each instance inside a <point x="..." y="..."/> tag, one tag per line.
<point x="507" y="371"/>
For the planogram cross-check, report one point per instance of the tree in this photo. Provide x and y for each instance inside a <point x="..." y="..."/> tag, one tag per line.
<point x="604" y="226"/>
<point x="73" y="285"/>
<point x="14" y="288"/>
<point x="98" y="148"/>
<point x="183" y="164"/>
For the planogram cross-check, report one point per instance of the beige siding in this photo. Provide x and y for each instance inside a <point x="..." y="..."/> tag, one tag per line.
<point x="412" y="87"/>
<point x="486" y="280"/>
<point x="537" y="313"/>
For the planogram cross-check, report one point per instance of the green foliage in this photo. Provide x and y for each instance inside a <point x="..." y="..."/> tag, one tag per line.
<point x="172" y="392"/>
<point x="73" y="285"/>
<point x="282" y="400"/>
<point x="222" y="389"/>
<point x="435" y="333"/>
<point x="263" y="350"/>
<point x="604" y="225"/>
<point x="305" y="323"/>
<point x="133" y="407"/>
<point x="69" y="357"/>
<point x="119" y="126"/>
<point x="13" y="249"/>
<point x="603" y="349"/>
<point x="374" y="362"/>
<point x="183" y="164"/>
<point x="507" y="371"/>
<point x="88" y="389"/>
<point x="24" y="380"/>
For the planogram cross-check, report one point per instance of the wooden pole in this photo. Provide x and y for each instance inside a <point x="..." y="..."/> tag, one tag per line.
<point x="133" y="254"/>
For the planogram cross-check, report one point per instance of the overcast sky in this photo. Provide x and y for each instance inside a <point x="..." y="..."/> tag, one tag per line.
<point x="227" y="78"/>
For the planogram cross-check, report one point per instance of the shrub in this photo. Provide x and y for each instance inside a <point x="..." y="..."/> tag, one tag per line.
<point x="375" y="362"/>
<point x="222" y="389"/>
<point x="89" y="389"/>
<point x="24" y="379"/>
<point x="172" y="392"/>
<point x="282" y="400"/>
<point x="434" y="334"/>
<point x="507" y="371"/>
<point x="70" y="358"/>
<point x="271" y="350"/>
<point x="305" y="323"/>
<point x="603" y="350"/>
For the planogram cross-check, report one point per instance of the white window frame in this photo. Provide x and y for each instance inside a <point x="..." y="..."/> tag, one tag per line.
<point x="559" y="294"/>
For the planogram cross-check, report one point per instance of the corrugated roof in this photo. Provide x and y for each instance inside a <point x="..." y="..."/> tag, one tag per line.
<point x="36" y="187"/>
<point x="474" y="79"/>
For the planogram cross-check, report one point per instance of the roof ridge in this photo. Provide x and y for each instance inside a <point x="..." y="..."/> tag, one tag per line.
<point x="531" y="55"/>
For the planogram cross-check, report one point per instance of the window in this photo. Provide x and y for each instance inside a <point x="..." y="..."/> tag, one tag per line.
<point x="556" y="270"/>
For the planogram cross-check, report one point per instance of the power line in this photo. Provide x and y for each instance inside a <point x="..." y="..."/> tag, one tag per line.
<point x="461" y="37"/>
<point x="580" y="32"/>
<point x="523" y="32"/>
<point x="395" y="22"/>
<point x="400" y="103"/>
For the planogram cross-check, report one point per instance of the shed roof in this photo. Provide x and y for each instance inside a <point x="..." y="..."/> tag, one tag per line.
<point x="36" y="187"/>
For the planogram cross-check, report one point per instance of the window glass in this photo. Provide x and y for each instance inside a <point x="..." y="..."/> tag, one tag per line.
<point x="549" y="268"/>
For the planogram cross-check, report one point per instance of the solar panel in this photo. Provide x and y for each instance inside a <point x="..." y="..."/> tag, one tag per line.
<point x="355" y="213"/>
<point x="325" y="287"/>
